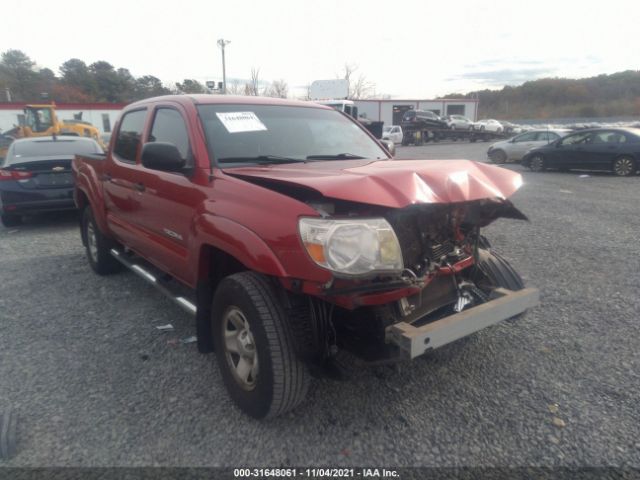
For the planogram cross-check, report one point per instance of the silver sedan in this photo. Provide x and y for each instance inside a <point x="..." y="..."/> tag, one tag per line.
<point x="513" y="150"/>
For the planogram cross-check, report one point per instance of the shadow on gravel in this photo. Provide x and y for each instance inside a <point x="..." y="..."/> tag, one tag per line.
<point x="44" y="220"/>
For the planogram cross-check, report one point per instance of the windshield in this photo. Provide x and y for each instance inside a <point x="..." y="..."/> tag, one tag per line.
<point x="240" y="135"/>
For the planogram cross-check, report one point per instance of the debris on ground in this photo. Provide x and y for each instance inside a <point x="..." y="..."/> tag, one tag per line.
<point x="558" y="422"/>
<point x="584" y="176"/>
<point x="191" y="339"/>
<point x="553" y="408"/>
<point x="165" y="328"/>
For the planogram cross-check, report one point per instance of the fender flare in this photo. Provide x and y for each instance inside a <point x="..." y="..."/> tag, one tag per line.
<point x="240" y="242"/>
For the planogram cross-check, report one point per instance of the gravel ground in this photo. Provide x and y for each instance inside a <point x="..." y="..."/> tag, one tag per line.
<point x="95" y="384"/>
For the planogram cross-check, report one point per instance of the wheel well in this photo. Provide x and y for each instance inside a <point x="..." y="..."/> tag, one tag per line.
<point x="217" y="264"/>
<point x="81" y="199"/>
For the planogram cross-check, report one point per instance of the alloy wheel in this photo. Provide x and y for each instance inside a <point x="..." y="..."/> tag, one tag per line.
<point x="92" y="242"/>
<point x="240" y="348"/>
<point x="623" y="167"/>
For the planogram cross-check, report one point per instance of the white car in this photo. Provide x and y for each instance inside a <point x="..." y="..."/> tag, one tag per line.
<point x="393" y="133"/>
<point x="489" y="125"/>
<point x="459" y="122"/>
<point x="513" y="150"/>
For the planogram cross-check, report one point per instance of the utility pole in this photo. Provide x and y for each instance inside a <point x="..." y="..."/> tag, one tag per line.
<point x="8" y="92"/>
<point x="223" y="43"/>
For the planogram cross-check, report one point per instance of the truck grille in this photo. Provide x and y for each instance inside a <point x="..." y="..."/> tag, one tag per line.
<point x="425" y="234"/>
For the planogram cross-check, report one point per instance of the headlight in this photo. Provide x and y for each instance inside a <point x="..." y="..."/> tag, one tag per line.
<point x="352" y="247"/>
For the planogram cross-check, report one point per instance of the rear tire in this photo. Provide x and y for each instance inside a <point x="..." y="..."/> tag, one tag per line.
<point x="98" y="246"/>
<point x="11" y="220"/>
<point x="624" y="166"/>
<point x="250" y="328"/>
<point x="498" y="156"/>
<point x="536" y="164"/>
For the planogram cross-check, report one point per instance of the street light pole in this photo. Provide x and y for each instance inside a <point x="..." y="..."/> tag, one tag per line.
<point x="222" y="43"/>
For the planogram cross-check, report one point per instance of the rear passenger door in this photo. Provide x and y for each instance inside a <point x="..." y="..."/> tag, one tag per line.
<point x="120" y="178"/>
<point x="521" y="144"/>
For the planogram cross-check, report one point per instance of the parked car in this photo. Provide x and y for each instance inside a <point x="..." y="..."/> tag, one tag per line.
<point x="489" y="125"/>
<point x="458" y="122"/>
<point x="613" y="149"/>
<point x="513" y="150"/>
<point x="288" y="253"/>
<point x="511" y="128"/>
<point x="36" y="175"/>
<point x="392" y="133"/>
<point x="425" y="118"/>
<point x="5" y="141"/>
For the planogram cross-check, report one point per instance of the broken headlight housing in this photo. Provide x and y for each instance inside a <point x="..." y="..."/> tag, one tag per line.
<point x="352" y="246"/>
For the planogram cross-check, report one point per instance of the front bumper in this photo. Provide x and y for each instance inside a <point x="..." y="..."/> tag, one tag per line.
<point x="415" y="341"/>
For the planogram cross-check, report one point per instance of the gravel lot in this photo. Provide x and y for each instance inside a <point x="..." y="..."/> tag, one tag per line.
<point x="95" y="384"/>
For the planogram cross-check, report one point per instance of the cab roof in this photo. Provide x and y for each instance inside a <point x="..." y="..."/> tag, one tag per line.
<point x="210" y="99"/>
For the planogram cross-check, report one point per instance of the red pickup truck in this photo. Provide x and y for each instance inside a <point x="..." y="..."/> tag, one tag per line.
<point x="293" y="237"/>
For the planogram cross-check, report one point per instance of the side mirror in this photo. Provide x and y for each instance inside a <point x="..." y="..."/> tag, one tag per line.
<point x="162" y="156"/>
<point x="389" y="146"/>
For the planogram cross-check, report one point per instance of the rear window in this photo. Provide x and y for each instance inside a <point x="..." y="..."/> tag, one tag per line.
<point x="43" y="148"/>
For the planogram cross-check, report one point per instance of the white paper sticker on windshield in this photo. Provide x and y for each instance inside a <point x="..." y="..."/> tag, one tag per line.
<point x="236" y="122"/>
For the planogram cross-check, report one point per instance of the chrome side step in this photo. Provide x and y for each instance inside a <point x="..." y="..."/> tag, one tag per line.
<point x="187" y="305"/>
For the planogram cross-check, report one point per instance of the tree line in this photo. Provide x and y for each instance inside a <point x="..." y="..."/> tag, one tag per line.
<point x="22" y="81"/>
<point x="617" y="94"/>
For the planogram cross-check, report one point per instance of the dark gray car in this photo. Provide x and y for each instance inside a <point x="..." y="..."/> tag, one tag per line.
<point x="36" y="175"/>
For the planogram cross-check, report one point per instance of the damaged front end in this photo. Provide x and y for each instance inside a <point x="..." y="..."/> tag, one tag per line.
<point x="447" y="269"/>
<point x="402" y="242"/>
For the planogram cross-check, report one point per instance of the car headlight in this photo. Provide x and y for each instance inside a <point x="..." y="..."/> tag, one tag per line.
<point x="352" y="247"/>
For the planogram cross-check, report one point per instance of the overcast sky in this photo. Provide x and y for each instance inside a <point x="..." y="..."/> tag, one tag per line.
<point x="409" y="49"/>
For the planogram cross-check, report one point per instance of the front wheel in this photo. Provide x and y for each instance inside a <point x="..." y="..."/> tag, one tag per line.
<point x="255" y="347"/>
<point x="624" y="166"/>
<point x="536" y="164"/>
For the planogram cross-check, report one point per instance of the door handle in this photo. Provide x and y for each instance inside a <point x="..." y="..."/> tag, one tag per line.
<point x="139" y="186"/>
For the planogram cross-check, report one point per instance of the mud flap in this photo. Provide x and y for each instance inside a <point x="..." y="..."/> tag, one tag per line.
<point x="204" y="298"/>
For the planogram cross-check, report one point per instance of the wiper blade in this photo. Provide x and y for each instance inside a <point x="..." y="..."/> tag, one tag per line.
<point x="261" y="159"/>
<point x="339" y="156"/>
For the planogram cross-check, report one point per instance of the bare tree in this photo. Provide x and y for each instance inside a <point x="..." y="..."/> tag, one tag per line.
<point x="360" y="86"/>
<point x="235" y="88"/>
<point x="278" y="88"/>
<point x="253" y="86"/>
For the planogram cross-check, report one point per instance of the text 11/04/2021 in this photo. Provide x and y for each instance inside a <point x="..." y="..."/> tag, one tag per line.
<point x="315" y="473"/>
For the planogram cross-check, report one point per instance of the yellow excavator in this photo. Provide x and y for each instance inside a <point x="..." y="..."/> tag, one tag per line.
<point x="42" y="121"/>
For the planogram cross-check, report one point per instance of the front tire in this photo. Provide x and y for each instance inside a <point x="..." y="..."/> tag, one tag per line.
<point x="11" y="220"/>
<point x="624" y="166"/>
<point x="498" y="271"/>
<point x="255" y="347"/>
<point x="97" y="246"/>
<point x="536" y="164"/>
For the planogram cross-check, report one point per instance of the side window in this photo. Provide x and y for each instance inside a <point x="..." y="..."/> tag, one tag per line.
<point x="547" y="137"/>
<point x="169" y="126"/>
<point x="129" y="134"/>
<point x="526" y="137"/>
<point x="578" y="138"/>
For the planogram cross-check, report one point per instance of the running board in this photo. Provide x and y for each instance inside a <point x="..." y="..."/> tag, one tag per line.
<point x="158" y="282"/>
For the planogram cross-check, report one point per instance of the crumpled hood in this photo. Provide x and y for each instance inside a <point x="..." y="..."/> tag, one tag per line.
<point x="394" y="183"/>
